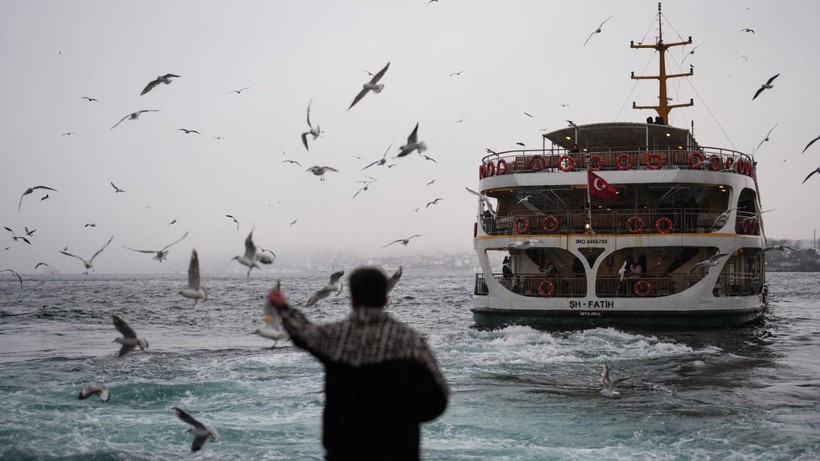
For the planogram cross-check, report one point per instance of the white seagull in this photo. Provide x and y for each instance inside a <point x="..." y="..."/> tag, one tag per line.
<point x="381" y="161"/>
<point x="315" y="132"/>
<point x="609" y="385"/>
<point x="598" y="30"/>
<point x="88" y="264"/>
<point x="412" y="144"/>
<point x="810" y="143"/>
<point x="194" y="290"/>
<point x="129" y="338"/>
<point x="166" y="79"/>
<point x="403" y="241"/>
<point x="767" y="137"/>
<point x="94" y="389"/>
<point x="483" y="198"/>
<point x="622" y="270"/>
<point x="394" y="279"/>
<point x="200" y="431"/>
<point x="234" y="220"/>
<point x="133" y="116"/>
<point x="116" y="189"/>
<point x="778" y="247"/>
<point x="373" y="85"/>
<point x="333" y="286"/>
<point x="811" y="174"/>
<point x="766" y="86"/>
<point x="15" y="274"/>
<point x="250" y="257"/>
<point x="713" y="261"/>
<point x="321" y="170"/>
<point x="273" y="324"/>
<point x="162" y="254"/>
<point x="30" y="190"/>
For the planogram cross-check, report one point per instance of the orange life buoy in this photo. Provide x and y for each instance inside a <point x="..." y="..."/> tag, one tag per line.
<point x="663" y="225"/>
<point x="747" y="168"/>
<point x="489" y="170"/>
<point x="546" y="288"/>
<point x="728" y="163"/>
<point x="538" y="163"/>
<point x="634" y="224"/>
<point x="566" y="163"/>
<point x="521" y="224"/>
<point x="696" y="160"/>
<point x="502" y="167"/>
<point x="714" y="163"/>
<point x="642" y="288"/>
<point x="655" y="161"/>
<point x="595" y="162"/>
<point x="624" y="161"/>
<point x="550" y="223"/>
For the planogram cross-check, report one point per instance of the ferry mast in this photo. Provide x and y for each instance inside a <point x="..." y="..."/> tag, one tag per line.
<point x="663" y="108"/>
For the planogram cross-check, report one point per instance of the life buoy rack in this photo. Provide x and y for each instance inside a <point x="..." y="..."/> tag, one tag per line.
<point x="663" y="225"/>
<point x="750" y="226"/>
<point x="595" y="162"/>
<point x="521" y="224"/>
<point x="550" y="223"/>
<point x="566" y="163"/>
<point x="546" y="288"/>
<point x="714" y="163"/>
<point x="624" y="161"/>
<point x="655" y="161"/>
<point x="634" y="224"/>
<point x="538" y="163"/>
<point x="501" y="168"/>
<point x="642" y="288"/>
<point x="696" y="160"/>
<point x="489" y="170"/>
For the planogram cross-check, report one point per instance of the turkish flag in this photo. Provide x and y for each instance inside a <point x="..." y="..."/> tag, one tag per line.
<point x="600" y="188"/>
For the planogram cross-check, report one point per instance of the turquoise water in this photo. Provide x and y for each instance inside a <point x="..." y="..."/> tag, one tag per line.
<point x="517" y="393"/>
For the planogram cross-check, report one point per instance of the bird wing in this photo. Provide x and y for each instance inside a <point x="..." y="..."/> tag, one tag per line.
<point x="358" y="97"/>
<point x="141" y="251"/>
<point x="308" y="114"/>
<point x="605" y="376"/>
<point x="304" y="140"/>
<point x="250" y="248"/>
<point x="769" y="81"/>
<point x="193" y="271"/>
<point x="590" y="36"/>
<point x="394" y="241"/>
<point x="43" y="187"/>
<point x="170" y="75"/>
<point x="150" y="86"/>
<point x="121" y="120"/>
<point x="811" y="174"/>
<point x="394" y="279"/>
<point x="16" y="275"/>
<point x="804" y="149"/>
<point x="714" y="258"/>
<point x="413" y="136"/>
<point x="319" y="295"/>
<point x="379" y="75"/>
<point x="607" y="19"/>
<point x="101" y="249"/>
<point x="181" y="414"/>
<point x="175" y="242"/>
<point x="199" y="442"/>
<point x="73" y="256"/>
<point x="758" y="92"/>
<point x="123" y="328"/>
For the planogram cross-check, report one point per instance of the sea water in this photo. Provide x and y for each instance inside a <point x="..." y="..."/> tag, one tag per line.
<point x="517" y="393"/>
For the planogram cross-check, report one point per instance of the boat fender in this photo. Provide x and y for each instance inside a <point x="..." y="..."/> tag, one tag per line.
<point x="546" y="288"/>
<point x="714" y="163"/>
<point x="634" y="224"/>
<point x="521" y="224"/>
<point x="550" y="223"/>
<point x="624" y="161"/>
<point x="696" y="160"/>
<point x="655" y="161"/>
<point x="489" y="170"/>
<point x="642" y="288"/>
<point x="663" y="225"/>
<point x="538" y="163"/>
<point x="502" y="167"/>
<point x="566" y="163"/>
<point x="595" y="162"/>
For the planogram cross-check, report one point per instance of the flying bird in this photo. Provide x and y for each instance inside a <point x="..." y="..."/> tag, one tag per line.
<point x="810" y="175"/>
<point x="394" y="279"/>
<point x="14" y="274"/>
<point x="622" y="271"/>
<point x="609" y="385"/>
<point x="273" y="324"/>
<point x="333" y="286"/>
<point x="458" y="73"/>
<point x="234" y="220"/>
<point x="250" y="257"/>
<point x="372" y="85"/>
<point x="187" y="131"/>
<point x="200" y="431"/>
<point x="264" y="259"/>
<point x="713" y="261"/>
<point x="91" y="225"/>
<point x="484" y="199"/>
<point x="747" y="30"/>
<point x="116" y="189"/>
<point x="45" y="197"/>
<point x="129" y="338"/>
<point x="403" y="241"/>
<point x="429" y="158"/>
<point x="722" y="218"/>
<point x="767" y="137"/>
<point x="194" y="290"/>
<point x="30" y="190"/>
<point x="68" y="133"/>
<point x="89" y="99"/>
<point x="29" y="232"/>
<point x="162" y="254"/>
<point x="434" y="201"/>
<point x="239" y="91"/>
<point x="166" y="79"/>
<point x="431" y="182"/>
<point x="321" y="170"/>
<point x="173" y="221"/>
<point x="94" y="389"/>
<point x="778" y="248"/>
<point x="133" y="116"/>
<point x="16" y="237"/>
<point x="810" y="143"/>
<point x="366" y="186"/>
<point x="293" y="222"/>
<point x="88" y="264"/>
<point x="412" y="144"/>
<point x="766" y="86"/>
<point x="291" y="161"/>
<point x="315" y="132"/>
<point x="41" y="264"/>
<point x="524" y="199"/>
<point x="598" y="30"/>
<point x="692" y="51"/>
<point x="382" y="160"/>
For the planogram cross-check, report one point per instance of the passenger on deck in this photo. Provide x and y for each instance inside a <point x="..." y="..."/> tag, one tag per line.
<point x="548" y="268"/>
<point x="506" y="272"/>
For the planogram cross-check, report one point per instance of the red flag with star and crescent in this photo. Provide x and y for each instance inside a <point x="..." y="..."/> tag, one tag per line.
<point x="600" y="188"/>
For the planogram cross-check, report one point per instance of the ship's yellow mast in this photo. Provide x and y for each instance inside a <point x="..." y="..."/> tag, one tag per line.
<point x="663" y="108"/>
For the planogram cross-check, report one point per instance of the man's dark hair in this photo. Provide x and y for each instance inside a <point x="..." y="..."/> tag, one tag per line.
<point x="368" y="287"/>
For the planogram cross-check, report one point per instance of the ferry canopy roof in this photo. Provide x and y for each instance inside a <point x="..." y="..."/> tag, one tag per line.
<point x="622" y="135"/>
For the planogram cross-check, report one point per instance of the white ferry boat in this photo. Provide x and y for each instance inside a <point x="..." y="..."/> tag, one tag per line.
<point x="620" y="224"/>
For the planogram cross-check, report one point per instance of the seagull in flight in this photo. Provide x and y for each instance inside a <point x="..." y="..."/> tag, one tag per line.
<point x="412" y="144"/>
<point x="239" y="91"/>
<point x="15" y="237"/>
<point x="187" y="131"/>
<point x="250" y="257"/>
<point x="29" y="233"/>
<point x="434" y="202"/>
<point x="194" y="290"/>
<point x="14" y="274"/>
<point x="598" y="30"/>
<point x="609" y="385"/>
<point x="713" y="261"/>
<point x="720" y="221"/>
<point x="333" y="286"/>
<point x="88" y="264"/>
<point x="162" y="254"/>
<point x="810" y="143"/>
<point x="133" y="116"/>
<point x="767" y="137"/>
<point x="201" y="432"/>
<point x="291" y="161"/>
<point x="373" y="85"/>
<point x="94" y="389"/>
<point x="89" y="99"/>
<point x="129" y="338"/>
<point x="315" y="132"/>
<point x="458" y="74"/>
<point x="394" y="279"/>
<point x="778" y="248"/>
<point x="166" y="79"/>
<point x="116" y="189"/>
<point x="524" y="199"/>
<point x="321" y="170"/>
<point x="234" y="220"/>
<point x="293" y="222"/>
<point x="483" y="198"/>
<point x="692" y="51"/>
<point x="766" y="86"/>
<point x="382" y="160"/>
<point x="364" y="188"/>
<point x="30" y="190"/>
<point x="273" y="324"/>
<point x="811" y="174"/>
<point x="622" y="271"/>
<point x="747" y="30"/>
<point x="403" y="241"/>
<point x="41" y="264"/>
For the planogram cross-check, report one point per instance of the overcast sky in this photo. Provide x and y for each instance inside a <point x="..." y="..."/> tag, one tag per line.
<point x="514" y="57"/>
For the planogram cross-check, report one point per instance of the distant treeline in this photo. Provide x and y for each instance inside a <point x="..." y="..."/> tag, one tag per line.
<point x="804" y="258"/>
